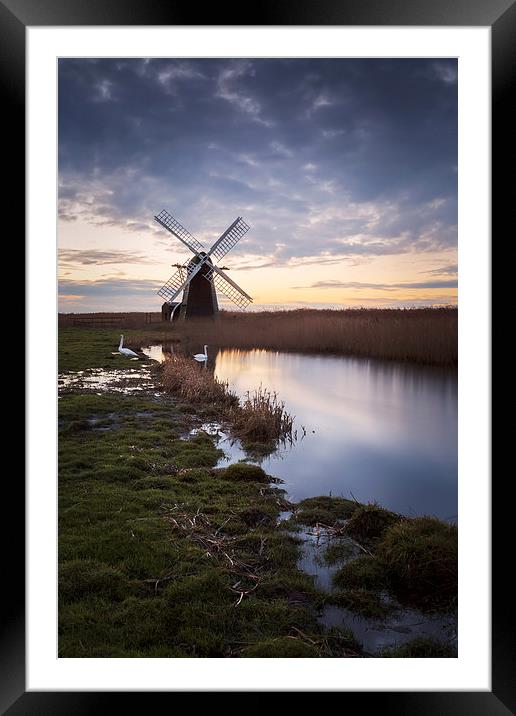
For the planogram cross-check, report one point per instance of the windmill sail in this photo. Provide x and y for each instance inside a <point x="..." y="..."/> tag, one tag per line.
<point x="179" y="280"/>
<point x="168" y="222"/>
<point x="229" y="238"/>
<point x="229" y="288"/>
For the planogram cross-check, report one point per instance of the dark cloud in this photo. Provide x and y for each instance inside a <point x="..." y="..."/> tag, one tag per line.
<point x="336" y="157"/>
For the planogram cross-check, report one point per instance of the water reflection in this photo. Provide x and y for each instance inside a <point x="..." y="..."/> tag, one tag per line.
<point x="160" y="352"/>
<point x="377" y="431"/>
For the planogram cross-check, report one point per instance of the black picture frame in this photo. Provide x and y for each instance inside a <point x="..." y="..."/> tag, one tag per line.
<point x="500" y="16"/>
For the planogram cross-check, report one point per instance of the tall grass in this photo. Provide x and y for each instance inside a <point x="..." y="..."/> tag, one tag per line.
<point x="426" y="335"/>
<point x="194" y="383"/>
<point x="260" y="418"/>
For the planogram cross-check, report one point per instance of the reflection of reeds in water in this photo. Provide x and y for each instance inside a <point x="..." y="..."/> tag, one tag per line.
<point x="261" y="418"/>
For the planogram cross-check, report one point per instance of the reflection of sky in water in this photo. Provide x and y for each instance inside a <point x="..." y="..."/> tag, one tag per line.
<point x="384" y="432"/>
<point x="158" y="352"/>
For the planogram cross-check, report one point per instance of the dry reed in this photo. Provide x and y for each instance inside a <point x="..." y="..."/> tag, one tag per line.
<point x="426" y="335"/>
<point x="194" y="383"/>
<point x="261" y="418"/>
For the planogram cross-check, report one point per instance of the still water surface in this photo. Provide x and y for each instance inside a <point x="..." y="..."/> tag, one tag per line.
<point x="378" y="431"/>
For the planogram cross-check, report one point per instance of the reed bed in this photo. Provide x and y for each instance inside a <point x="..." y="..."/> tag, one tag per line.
<point x="261" y="418"/>
<point x="194" y="383"/>
<point x="426" y="336"/>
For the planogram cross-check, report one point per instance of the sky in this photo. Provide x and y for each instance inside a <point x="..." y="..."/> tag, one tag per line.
<point x="345" y="170"/>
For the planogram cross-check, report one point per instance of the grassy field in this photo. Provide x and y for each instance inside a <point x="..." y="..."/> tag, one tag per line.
<point x="423" y="335"/>
<point x="161" y="554"/>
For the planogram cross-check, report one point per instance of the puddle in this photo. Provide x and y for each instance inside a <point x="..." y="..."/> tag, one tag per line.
<point x="212" y="429"/>
<point x="403" y="626"/>
<point x="130" y="381"/>
<point x="159" y="352"/>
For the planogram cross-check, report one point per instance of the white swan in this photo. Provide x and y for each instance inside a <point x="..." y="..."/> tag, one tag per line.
<point x="126" y="351"/>
<point x="202" y="357"/>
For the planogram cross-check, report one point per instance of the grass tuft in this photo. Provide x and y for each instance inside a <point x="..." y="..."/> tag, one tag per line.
<point x="369" y="522"/>
<point x="324" y="510"/>
<point x="364" y="572"/>
<point x="262" y="418"/>
<point x="86" y="577"/>
<point x="244" y="471"/>
<point x="420" y="555"/>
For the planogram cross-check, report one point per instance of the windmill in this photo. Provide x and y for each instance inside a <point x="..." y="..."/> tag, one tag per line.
<point x="199" y="278"/>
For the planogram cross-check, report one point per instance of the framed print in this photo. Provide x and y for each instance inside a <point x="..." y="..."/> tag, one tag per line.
<point x="268" y="444"/>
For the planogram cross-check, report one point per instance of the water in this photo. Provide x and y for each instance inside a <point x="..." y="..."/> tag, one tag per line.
<point x="402" y="626"/>
<point x="128" y="381"/>
<point x="378" y="431"/>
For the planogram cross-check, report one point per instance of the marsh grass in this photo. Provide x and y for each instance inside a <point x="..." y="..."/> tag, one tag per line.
<point x="421" y="558"/>
<point x="419" y="335"/>
<point x="260" y="419"/>
<point x="369" y="522"/>
<point x="139" y="509"/>
<point x="324" y="510"/>
<point x="414" y="559"/>
<point x="194" y="383"/>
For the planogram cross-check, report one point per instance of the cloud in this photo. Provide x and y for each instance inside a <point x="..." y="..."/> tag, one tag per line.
<point x="108" y="287"/>
<point x="450" y="270"/>
<point x="104" y="91"/>
<point x="232" y="88"/>
<point x="93" y="257"/>
<point x="380" y="286"/>
<point x="446" y="72"/>
<point x="178" y="71"/>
